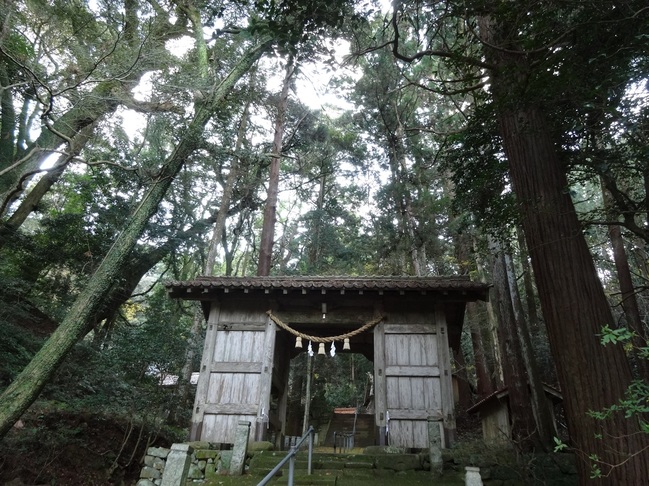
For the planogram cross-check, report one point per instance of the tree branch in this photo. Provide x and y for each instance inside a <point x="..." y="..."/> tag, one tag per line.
<point x="428" y="52"/>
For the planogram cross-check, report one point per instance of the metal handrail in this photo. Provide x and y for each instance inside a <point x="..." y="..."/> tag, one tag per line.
<point x="290" y="458"/>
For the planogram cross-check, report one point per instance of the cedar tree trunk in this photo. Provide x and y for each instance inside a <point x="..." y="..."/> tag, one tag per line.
<point x="592" y="376"/>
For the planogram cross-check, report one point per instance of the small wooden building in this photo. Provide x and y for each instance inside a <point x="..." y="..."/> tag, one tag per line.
<point x="413" y="326"/>
<point x="495" y="416"/>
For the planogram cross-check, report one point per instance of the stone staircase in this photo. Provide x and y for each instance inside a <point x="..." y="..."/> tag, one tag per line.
<point x="343" y="470"/>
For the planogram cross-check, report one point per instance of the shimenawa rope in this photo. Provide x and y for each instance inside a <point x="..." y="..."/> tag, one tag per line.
<point x="329" y="339"/>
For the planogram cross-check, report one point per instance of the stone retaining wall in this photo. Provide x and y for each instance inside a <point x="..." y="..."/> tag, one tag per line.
<point x="207" y="461"/>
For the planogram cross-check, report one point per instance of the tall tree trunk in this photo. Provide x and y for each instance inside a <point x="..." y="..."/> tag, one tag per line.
<point x="22" y="392"/>
<point x="492" y="329"/>
<point x="627" y="290"/>
<point x="592" y="376"/>
<point x="315" y="251"/>
<point x="545" y="429"/>
<point x="403" y="199"/>
<point x="485" y="384"/>
<point x="307" y="393"/>
<point x="528" y="284"/>
<point x="8" y="118"/>
<point x="524" y="433"/>
<point x="463" y="253"/>
<point x="270" y="210"/>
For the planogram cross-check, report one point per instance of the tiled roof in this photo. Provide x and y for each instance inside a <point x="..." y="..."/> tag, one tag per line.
<point x="441" y="284"/>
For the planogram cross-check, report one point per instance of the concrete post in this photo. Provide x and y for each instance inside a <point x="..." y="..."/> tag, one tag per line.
<point x="435" y="445"/>
<point x="240" y="448"/>
<point x="472" y="477"/>
<point x="177" y="467"/>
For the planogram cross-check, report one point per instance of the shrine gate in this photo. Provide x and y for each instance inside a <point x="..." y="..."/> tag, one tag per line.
<point x="407" y="326"/>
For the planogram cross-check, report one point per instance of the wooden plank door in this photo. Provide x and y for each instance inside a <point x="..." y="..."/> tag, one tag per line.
<point x="236" y="370"/>
<point x="408" y="382"/>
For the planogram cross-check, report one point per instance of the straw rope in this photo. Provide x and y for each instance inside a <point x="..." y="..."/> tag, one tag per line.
<point x="330" y="339"/>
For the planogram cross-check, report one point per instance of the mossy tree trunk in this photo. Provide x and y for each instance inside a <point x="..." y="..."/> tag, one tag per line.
<point x="24" y="390"/>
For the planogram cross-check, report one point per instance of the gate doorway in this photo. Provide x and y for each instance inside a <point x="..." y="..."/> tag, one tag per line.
<point x="341" y="408"/>
<point x="415" y="325"/>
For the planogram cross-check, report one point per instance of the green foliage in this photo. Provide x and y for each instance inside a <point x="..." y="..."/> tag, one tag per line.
<point x="341" y="395"/>
<point x="559" y="445"/>
<point x="475" y="160"/>
<point x="615" y="336"/>
<point x="17" y="347"/>
<point x="298" y="26"/>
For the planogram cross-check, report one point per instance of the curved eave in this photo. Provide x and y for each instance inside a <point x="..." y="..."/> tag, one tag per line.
<point x="209" y="288"/>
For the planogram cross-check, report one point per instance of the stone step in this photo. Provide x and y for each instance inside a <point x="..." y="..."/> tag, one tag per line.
<point x="320" y="476"/>
<point x="348" y="470"/>
<point x="409" y="479"/>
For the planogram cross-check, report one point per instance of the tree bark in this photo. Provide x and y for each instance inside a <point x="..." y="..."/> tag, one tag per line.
<point x="22" y="392"/>
<point x="545" y="429"/>
<point x="627" y="290"/>
<point x="528" y="284"/>
<point x="484" y="385"/>
<point x="315" y="250"/>
<point x="463" y="253"/>
<point x="7" y="118"/>
<point x="270" y="210"/>
<point x="492" y="330"/>
<point x="524" y="433"/>
<point x="574" y="305"/>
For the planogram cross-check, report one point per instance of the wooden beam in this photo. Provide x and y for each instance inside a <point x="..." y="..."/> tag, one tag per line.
<point x="410" y="329"/>
<point x="426" y="371"/>
<point x="231" y="408"/>
<point x="379" y="375"/>
<point x="237" y="367"/>
<point x="405" y="414"/>
<point x="241" y="326"/>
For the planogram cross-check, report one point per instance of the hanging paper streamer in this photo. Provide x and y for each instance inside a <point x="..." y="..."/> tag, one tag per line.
<point x="332" y="351"/>
<point x="309" y="349"/>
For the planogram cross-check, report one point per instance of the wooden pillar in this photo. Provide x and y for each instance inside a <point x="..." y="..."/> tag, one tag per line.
<point x="445" y="372"/>
<point x="263" y="414"/>
<point x="204" y="376"/>
<point x="380" y="405"/>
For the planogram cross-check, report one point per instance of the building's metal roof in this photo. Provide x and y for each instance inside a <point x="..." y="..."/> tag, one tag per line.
<point x="378" y="283"/>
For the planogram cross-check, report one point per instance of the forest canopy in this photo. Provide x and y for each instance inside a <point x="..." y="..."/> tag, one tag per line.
<point x="145" y="141"/>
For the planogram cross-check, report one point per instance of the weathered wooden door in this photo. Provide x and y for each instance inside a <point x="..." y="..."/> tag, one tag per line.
<point x="236" y="372"/>
<point x="412" y="377"/>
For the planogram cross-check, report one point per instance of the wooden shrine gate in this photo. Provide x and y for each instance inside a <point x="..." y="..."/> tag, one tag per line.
<point x="412" y="379"/>
<point x="236" y="372"/>
<point x="245" y="363"/>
